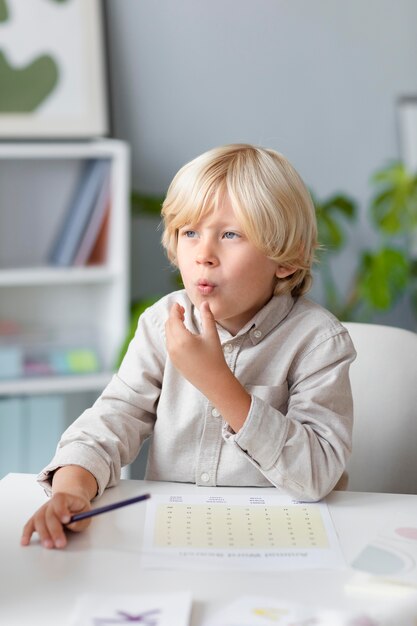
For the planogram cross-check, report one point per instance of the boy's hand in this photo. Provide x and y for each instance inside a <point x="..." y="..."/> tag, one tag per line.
<point x="195" y="356"/>
<point x="50" y="519"/>
<point x="200" y="360"/>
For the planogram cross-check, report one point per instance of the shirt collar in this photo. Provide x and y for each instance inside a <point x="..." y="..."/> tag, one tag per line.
<point x="261" y="324"/>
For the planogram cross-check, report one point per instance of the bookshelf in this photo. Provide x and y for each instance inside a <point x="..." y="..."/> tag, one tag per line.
<point x="73" y="305"/>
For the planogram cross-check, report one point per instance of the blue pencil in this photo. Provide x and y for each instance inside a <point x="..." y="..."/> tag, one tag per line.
<point x="109" y="507"/>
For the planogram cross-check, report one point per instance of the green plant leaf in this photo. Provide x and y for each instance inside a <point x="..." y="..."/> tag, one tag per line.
<point x="331" y="217"/>
<point x="342" y="204"/>
<point x="330" y="233"/>
<point x="392" y="174"/>
<point x="394" y="207"/>
<point x="4" y="11"/>
<point x="383" y="277"/>
<point x="143" y="204"/>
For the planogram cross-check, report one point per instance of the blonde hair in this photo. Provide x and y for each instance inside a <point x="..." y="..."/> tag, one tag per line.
<point x="269" y="198"/>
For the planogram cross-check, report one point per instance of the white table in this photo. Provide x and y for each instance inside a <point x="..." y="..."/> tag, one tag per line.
<point x="39" y="587"/>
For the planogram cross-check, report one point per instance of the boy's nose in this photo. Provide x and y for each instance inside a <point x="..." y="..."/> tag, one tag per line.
<point x="206" y="255"/>
<point x="205" y="259"/>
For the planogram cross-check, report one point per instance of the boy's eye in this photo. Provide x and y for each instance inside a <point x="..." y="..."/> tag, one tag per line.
<point x="189" y="233"/>
<point x="230" y="235"/>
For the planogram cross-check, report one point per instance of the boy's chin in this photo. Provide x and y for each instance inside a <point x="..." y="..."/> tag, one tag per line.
<point x="213" y="307"/>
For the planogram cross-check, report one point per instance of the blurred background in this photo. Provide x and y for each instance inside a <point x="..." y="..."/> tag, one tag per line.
<point x="330" y="84"/>
<point x="318" y="80"/>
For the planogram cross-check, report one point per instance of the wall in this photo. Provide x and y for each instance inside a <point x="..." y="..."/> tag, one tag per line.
<point x="315" y="79"/>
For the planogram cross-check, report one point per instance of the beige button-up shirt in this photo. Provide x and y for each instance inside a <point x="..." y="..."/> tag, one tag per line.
<point x="293" y="358"/>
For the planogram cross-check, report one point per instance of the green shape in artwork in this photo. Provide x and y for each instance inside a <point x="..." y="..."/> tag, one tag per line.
<point x="4" y="12"/>
<point x="23" y="90"/>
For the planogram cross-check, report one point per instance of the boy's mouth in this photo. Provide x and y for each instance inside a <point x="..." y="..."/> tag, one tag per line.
<point x="205" y="287"/>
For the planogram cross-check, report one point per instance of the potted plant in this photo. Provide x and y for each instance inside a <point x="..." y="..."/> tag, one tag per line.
<point x="385" y="273"/>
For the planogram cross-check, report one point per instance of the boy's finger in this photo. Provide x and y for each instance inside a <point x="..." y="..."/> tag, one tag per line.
<point x="207" y="319"/>
<point x="55" y="529"/>
<point x="28" y="530"/>
<point x="177" y="311"/>
<point x="42" y="530"/>
<point x="78" y="527"/>
<point x="70" y="505"/>
<point x="62" y="508"/>
<point x="175" y="319"/>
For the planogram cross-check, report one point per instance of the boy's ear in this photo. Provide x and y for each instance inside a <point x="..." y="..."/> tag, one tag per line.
<point x="283" y="271"/>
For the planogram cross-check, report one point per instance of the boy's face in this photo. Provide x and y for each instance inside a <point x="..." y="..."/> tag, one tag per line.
<point x="219" y="264"/>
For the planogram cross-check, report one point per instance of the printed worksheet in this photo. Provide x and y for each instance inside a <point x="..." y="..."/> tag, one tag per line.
<point x="152" y="609"/>
<point x="392" y="555"/>
<point x="254" y="532"/>
<point x="266" y="611"/>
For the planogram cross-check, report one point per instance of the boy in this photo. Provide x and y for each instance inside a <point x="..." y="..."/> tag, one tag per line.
<point x="239" y="379"/>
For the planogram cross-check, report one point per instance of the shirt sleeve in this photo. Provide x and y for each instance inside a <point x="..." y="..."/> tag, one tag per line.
<point x="110" y="433"/>
<point x="305" y="450"/>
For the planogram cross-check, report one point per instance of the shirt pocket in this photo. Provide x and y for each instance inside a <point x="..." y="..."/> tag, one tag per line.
<point x="274" y="395"/>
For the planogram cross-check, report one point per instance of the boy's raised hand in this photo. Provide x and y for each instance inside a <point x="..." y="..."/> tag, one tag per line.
<point x="200" y="360"/>
<point x="52" y="517"/>
<point x="195" y="356"/>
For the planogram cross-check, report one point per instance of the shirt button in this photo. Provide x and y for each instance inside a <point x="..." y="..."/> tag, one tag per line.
<point x="205" y="477"/>
<point x="215" y="413"/>
<point x="228" y="347"/>
<point x="257" y="334"/>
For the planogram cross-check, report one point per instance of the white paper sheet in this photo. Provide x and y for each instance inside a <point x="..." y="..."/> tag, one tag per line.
<point x="265" y="611"/>
<point x="264" y="532"/>
<point x="153" y="609"/>
<point x="392" y="555"/>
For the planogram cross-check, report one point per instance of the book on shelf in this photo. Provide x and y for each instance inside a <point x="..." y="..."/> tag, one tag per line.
<point x="11" y="360"/>
<point x="94" y="227"/>
<point x="82" y="207"/>
<point x="98" y="254"/>
<point x="32" y="352"/>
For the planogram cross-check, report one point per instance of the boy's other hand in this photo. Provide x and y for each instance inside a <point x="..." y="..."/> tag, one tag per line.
<point x="51" y="518"/>
<point x="195" y="356"/>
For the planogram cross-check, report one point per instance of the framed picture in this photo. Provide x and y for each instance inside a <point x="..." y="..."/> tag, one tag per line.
<point x="407" y="126"/>
<point x="52" y="69"/>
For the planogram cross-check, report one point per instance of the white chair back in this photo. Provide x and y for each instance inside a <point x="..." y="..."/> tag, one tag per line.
<point x="384" y="386"/>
